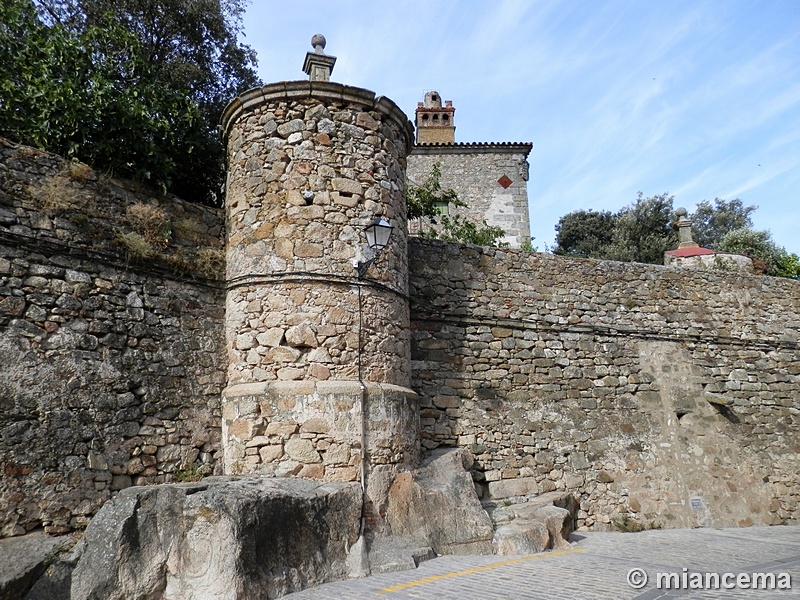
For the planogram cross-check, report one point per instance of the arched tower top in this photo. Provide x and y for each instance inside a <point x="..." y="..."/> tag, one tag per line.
<point x="435" y="124"/>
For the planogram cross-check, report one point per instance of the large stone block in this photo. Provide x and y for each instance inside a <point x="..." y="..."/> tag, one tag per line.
<point x="541" y="523"/>
<point x="23" y="560"/>
<point x="437" y="506"/>
<point x="224" y="538"/>
<point x="508" y="488"/>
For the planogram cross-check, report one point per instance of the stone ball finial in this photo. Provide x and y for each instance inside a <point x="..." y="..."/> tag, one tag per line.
<point x="318" y="42"/>
<point x="681" y="212"/>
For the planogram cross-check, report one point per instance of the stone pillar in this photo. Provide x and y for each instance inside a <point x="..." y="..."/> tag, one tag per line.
<point x="318" y="65"/>
<point x="685" y="230"/>
<point x="310" y="165"/>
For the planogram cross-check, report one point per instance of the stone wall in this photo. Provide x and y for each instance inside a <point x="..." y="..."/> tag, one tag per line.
<point x="319" y="357"/>
<point x="311" y="165"/>
<point x="668" y="395"/>
<point x="490" y="178"/>
<point x="111" y="340"/>
<point x="712" y="260"/>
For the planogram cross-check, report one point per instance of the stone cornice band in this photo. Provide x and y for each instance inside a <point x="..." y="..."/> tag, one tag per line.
<point x="474" y="148"/>
<point x="323" y="91"/>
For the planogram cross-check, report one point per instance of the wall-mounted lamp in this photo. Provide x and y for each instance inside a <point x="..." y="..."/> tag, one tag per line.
<point x="378" y="233"/>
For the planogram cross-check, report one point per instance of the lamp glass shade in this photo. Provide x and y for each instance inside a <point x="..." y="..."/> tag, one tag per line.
<point x="378" y="233"/>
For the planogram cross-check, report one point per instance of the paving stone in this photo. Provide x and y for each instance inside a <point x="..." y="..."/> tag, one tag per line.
<point x="594" y="568"/>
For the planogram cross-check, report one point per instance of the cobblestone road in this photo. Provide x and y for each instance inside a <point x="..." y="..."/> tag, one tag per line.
<point x="596" y="567"/>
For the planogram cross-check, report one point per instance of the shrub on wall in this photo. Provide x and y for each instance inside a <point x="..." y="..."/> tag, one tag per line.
<point x="759" y="246"/>
<point x="431" y="202"/>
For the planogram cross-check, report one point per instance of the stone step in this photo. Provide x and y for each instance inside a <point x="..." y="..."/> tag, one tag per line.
<point x="394" y="553"/>
<point x="531" y="524"/>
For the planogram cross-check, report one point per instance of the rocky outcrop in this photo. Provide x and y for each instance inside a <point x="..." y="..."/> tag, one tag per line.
<point x="533" y="524"/>
<point x="222" y="538"/>
<point x="231" y="538"/>
<point x="56" y="581"/>
<point x="436" y="505"/>
<point x="389" y="553"/>
<point x="23" y="560"/>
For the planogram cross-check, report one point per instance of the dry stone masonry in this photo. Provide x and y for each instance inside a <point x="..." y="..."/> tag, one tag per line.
<point x="319" y="360"/>
<point x="664" y="394"/>
<point x="567" y="392"/>
<point x="110" y="371"/>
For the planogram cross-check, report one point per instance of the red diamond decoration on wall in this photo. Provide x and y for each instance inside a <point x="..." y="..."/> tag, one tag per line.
<point x="504" y="181"/>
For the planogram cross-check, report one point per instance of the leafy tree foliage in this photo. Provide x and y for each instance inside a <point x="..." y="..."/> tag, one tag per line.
<point x="759" y="246"/>
<point x="644" y="231"/>
<point x="429" y="201"/>
<point x="133" y="87"/>
<point x="641" y="232"/>
<point x="90" y="96"/>
<point x="192" y="44"/>
<point x="711" y="222"/>
<point x="727" y="227"/>
<point x="584" y="233"/>
<point x="788" y="265"/>
<point x="458" y="228"/>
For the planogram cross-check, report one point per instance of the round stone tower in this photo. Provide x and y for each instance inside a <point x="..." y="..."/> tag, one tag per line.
<point x="319" y="369"/>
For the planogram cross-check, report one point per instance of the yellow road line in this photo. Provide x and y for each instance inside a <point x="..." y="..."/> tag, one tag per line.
<point x="514" y="561"/>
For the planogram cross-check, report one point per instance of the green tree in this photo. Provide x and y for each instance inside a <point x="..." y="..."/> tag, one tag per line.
<point x="131" y="87"/>
<point x="584" y="233"/>
<point x="641" y="232"/>
<point x="644" y="231"/>
<point x="759" y="246"/>
<point x="430" y="199"/>
<point x="194" y="46"/>
<point x="458" y="228"/>
<point x="788" y="265"/>
<point x="431" y="202"/>
<point x="710" y="222"/>
<point x="89" y="96"/>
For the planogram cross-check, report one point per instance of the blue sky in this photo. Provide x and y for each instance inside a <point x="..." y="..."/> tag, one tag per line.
<point x="700" y="99"/>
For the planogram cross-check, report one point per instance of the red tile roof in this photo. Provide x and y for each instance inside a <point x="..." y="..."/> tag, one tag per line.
<point x="692" y="251"/>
